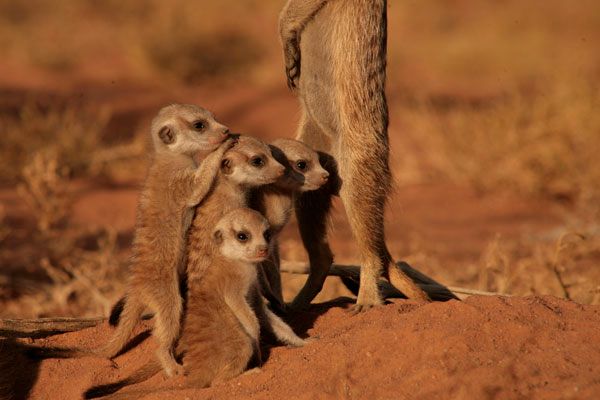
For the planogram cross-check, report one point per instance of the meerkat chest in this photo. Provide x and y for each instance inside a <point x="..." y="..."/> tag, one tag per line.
<point x="242" y="279"/>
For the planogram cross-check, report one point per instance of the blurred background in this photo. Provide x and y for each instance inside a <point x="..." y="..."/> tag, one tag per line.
<point x="495" y="132"/>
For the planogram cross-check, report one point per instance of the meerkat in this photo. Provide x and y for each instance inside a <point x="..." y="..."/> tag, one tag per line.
<point x="303" y="172"/>
<point x="224" y="314"/>
<point x="250" y="164"/>
<point x="335" y="60"/>
<point x="174" y="185"/>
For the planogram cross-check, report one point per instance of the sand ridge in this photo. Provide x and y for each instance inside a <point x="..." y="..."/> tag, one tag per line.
<point x="483" y="347"/>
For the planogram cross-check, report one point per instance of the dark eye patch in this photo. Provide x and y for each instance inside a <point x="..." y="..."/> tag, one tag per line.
<point x="242" y="236"/>
<point x="200" y="125"/>
<point x="267" y="235"/>
<point x="257" y="161"/>
<point x="302" y="165"/>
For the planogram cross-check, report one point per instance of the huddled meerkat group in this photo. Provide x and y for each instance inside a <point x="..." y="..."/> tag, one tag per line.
<point x="205" y="252"/>
<point x="208" y="218"/>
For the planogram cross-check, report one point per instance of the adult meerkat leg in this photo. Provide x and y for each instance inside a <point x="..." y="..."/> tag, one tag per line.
<point x="312" y="211"/>
<point x="344" y="49"/>
<point x="364" y="193"/>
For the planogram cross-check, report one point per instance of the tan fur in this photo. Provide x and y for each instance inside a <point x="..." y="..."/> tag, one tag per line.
<point x="276" y="202"/>
<point x="222" y="325"/>
<point x="174" y="185"/>
<point x="235" y="179"/>
<point x="335" y="54"/>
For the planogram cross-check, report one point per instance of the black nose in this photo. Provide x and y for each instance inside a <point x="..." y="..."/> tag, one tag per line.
<point x="225" y="131"/>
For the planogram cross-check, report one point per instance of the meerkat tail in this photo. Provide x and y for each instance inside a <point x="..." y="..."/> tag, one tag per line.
<point x="116" y="311"/>
<point x="40" y="353"/>
<point x="150" y="369"/>
<point x="132" y="311"/>
<point x="406" y="285"/>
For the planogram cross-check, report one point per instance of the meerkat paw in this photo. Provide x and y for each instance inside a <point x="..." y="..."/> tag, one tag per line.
<point x="365" y="305"/>
<point x="169" y="364"/>
<point x="174" y="370"/>
<point x="252" y="371"/>
<point x="231" y="141"/>
<point x="297" y="342"/>
<point x="291" y="51"/>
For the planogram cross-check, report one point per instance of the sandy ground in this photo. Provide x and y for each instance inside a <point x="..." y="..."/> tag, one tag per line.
<point x="484" y="348"/>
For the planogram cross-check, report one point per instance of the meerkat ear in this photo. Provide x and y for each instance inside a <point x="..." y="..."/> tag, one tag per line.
<point x="226" y="166"/>
<point x="218" y="236"/>
<point x="166" y="134"/>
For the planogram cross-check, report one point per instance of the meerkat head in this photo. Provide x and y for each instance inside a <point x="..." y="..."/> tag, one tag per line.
<point x="250" y="163"/>
<point x="303" y="171"/>
<point x="186" y="129"/>
<point x="243" y="235"/>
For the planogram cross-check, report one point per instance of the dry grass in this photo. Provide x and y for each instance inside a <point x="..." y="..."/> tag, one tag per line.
<point x="44" y="189"/>
<point x="73" y="133"/>
<point x="60" y="269"/>
<point x="81" y="276"/>
<point x="542" y="144"/>
<point x="181" y="41"/>
<point x="563" y="267"/>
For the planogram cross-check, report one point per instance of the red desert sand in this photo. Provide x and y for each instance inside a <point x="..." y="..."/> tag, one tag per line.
<point x="480" y="348"/>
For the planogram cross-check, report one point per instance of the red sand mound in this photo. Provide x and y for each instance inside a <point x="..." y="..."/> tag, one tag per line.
<point x="481" y="348"/>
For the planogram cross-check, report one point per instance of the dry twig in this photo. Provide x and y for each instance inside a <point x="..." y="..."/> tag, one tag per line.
<point x="350" y="275"/>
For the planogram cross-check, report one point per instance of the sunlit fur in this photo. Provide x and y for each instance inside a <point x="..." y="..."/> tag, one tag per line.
<point x="335" y="57"/>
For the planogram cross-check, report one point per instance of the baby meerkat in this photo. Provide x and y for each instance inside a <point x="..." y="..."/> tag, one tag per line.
<point x="249" y="164"/>
<point x="225" y="311"/>
<point x="173" y="188"/>
<point x="303" y="172"/>
<point x="174" y="185"/>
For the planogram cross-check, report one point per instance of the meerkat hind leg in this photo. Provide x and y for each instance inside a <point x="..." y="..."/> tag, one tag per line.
<point x="166" y="330"/>
<point x="364" y="197"/>
<point x="283" y="331"/>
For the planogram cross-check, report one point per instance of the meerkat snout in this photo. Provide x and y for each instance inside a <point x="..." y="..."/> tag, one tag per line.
<point x="262" y="251"/>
